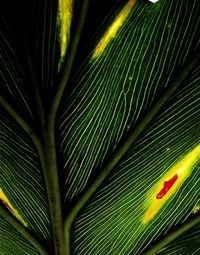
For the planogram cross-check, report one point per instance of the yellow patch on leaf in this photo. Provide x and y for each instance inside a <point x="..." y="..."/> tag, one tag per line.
<point x="9" y="206"/>
<point x="169" y="184"/>
<point x="114" y="27"/>
<point x="196" y="209"/>
<point x="64" y="18"/>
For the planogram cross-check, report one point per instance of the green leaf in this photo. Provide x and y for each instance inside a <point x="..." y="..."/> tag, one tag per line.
<point x="112" y="223"/>
<point x="111" y="94"/>
<point x="185" y="244"/>
<point x="100" y="127"/>
<point x="21" y="177"/>
<point x="14" y="243"/>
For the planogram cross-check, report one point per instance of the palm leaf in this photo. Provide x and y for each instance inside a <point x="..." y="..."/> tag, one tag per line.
<point x="95" y="125"/>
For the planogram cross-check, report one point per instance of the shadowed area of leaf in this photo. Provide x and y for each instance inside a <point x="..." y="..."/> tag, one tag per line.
<point x="187" y="244"/>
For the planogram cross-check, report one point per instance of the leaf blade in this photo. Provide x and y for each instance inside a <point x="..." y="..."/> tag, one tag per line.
<point x="112" y="221"/>
<point x="105" y="103"/>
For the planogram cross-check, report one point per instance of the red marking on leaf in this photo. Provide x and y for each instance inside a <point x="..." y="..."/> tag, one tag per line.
<point x="167" y="186"/>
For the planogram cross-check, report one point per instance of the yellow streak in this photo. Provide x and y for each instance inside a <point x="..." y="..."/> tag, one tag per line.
<point x="111" y="32"/>
<point x="64" y="22"/>
<point x="182" y="169"/>
<point x="9" y="206"/>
